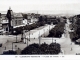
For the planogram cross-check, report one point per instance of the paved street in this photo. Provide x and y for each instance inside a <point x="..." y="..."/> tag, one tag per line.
<point x="35" y="33"/>
<point x="67" y="47"/>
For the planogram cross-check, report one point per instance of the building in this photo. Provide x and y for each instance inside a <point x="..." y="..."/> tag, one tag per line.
<point x="4" y="22"/>
<point x="11" y="20"/>
<point x="52" y="20"/>
<point x="32" y="17"/>
<point x="17" y="20"/>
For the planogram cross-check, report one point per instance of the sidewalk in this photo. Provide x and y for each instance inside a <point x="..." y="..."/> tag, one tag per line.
<point x="11" y="38"/>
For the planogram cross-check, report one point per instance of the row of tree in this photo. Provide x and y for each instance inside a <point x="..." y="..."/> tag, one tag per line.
<point x="53" y="48"/>
<point x="57" y="31"/>
<point x="76" y="27"/>
<point x="27" y="27"/>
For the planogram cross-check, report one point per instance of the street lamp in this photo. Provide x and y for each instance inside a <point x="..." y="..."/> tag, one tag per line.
<point x="26" y="38"/>
<point x="27" y="41"/>
<point x="29" y="35"/>
<point x="16" y="35"/>
<point x="55" y="41"/>
<point x="44" y="32"/>
<point x="71" y="47"/>
<point x="22" y="34"/>
<point x="52" y="39"/>
<point x="12" y="46"/>
<point x="39" y="38"/>
<point x="49" y="27"/>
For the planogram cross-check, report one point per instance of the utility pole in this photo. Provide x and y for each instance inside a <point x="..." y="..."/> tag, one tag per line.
<point x="29" y="35"/>
<point x="27" y="41"/>
<point x="39" y="38"/>
<point x="12" y="46"/>
<point x="22" y="35"/>
<point x="44" y="32"/>
<point x="52" y="39"/>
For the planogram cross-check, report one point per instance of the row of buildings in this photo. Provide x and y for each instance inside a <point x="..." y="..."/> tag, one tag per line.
<point x="11" y="20"/>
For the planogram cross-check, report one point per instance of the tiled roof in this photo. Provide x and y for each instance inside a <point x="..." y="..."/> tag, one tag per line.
<point x="18" y="15"/>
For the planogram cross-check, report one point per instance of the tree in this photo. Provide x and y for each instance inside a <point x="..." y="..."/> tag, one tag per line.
<point x="57" y="31"/>
<point x="44" y="48"/>
<point x="40" y="18"/>
<point x="0" y="14"/>
<point x="31" y="49"/>
<point x="54" y="48"/>
<point x="24" y="16"/>
<point x="10" y="52"/>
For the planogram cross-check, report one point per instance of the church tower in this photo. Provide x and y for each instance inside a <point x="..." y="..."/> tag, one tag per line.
<point x="9" y="17"/>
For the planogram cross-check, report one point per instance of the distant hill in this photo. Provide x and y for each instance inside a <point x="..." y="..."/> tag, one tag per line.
<point x="52" y="12"/>
<point x="60" y="12"/>
<point x="3" y="12"/>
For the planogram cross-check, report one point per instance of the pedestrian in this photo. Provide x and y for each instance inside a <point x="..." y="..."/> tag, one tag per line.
<point x="7" y="40"/>
<point x="71" y="43"/>
<point x="71" y="49"/>
<point x="5" y="48"/>
<point x="16" y="47"/>
<point x="34" y="37"/>
<point x="18" y="51"/>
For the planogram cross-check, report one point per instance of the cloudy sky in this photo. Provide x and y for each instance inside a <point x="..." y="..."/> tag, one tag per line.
<point x="43" y="6"/>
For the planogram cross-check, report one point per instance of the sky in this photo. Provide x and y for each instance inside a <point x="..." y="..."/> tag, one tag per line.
<point x="42" y="6"/>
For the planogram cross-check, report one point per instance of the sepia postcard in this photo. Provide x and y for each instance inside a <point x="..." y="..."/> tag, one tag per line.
<point x="40" y="28"/>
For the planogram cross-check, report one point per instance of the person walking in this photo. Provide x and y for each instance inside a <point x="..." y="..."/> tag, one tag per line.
<point x="18" y="51"/>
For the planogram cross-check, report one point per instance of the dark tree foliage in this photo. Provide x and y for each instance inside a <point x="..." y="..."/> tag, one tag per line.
<point x="0" y="44"/>
<point x="40" y="18"/>
<point x="53" y="48"/>
<point x="57" y="31"/>
<point x="78" y="16"/>
<point x="27" y="27"/>
<point x="76" y="27"/>
<point x="10" y="52"/>
<point x="78" y="22"/>
<point x="0" y="14"/>
<point x="31" y="49"/>
<point x="24" y="16"/>
<point x="44" y="48"/>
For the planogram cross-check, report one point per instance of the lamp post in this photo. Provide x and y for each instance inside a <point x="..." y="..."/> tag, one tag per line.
<point x="39" y="38"/>
<point x="52" y="39"/>
<point x="26" y="38"/>
<point x="29" y="35"/>
<point x="12" y="46"/>
<point x="71" y="47"/>
<point x="27" y="41"/>
<point x="55" y="41"/>
<point x="16" y="35"/>
<point x="49" y="28"/>
<point x="44" y="32"/>
<point x="22" y="35"/>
